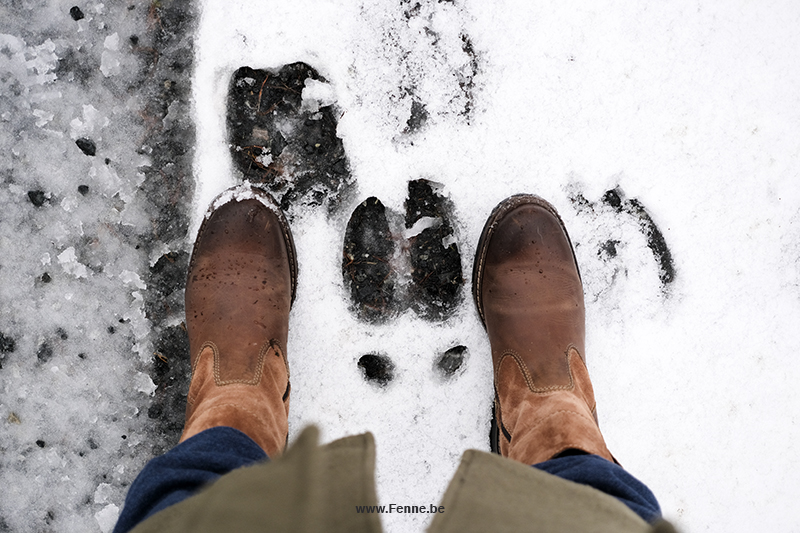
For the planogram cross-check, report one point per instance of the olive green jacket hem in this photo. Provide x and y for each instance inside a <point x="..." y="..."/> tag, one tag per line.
<point x="313" y="488"/>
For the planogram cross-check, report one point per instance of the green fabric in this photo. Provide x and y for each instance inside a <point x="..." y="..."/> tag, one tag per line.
<point x="312" y="488"/>
<point x="307" y="489"/>
<point x="492" y="493"/>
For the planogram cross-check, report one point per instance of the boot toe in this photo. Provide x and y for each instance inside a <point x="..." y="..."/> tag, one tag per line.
<point x="524" y="236"/>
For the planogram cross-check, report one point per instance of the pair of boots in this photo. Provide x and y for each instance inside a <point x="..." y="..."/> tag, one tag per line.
<point x="242" y="282"/>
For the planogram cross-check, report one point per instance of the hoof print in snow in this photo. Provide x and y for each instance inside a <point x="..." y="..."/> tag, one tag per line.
<point x="451" y="362"/>
<point x="87" y="146"/>
<point x="282" y="133"/>
<point x="655" y="239"/>
<point x="614" y="203"/>
<point x="366" y="262"/>
<point x="428" y="54"/>
<point x="377" y="369"/>
<point x="435" y="260"/>
<point x="425" y="277"/>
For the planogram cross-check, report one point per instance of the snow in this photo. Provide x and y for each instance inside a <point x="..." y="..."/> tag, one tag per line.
<point x="691" y="108"/>
<point x="107" y="517"/>
<point x="317" y="94"/>
<point x="240" y="193"/>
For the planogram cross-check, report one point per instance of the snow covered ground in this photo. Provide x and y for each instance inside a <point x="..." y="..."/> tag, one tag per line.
<point x="637" y="120"/>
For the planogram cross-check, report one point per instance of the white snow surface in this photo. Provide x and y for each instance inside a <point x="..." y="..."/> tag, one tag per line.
<point x="690" y="107"/>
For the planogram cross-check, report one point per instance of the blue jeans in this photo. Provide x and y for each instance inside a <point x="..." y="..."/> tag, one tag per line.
<point x="606" y="477"/>
<point x="202" y="459"/>
<point x="185" y="469"/>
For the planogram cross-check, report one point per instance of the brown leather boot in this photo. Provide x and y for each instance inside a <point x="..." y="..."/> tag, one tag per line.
<point x="529" y="295"/>
<point x="240" y="287"/>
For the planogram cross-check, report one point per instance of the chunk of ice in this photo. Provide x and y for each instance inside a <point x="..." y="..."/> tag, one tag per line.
<point x="145" y="384"/>
<point x="69" y="262"/>
<point x="128" y="277"/>
<point x="107" y="517"/>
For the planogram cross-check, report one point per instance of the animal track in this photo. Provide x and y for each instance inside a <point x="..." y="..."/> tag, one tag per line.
<point x="282" y="133"/>
<point x="451" y="362"/>
<point x="435" y="260"/>
<point x="377" y="368"/>
<point x="431" y="64"/>
<point x="390" y="271"/>
<point x="608" y="250"/>
<point x="284" y="139"/>
<point x="366" y="262"/>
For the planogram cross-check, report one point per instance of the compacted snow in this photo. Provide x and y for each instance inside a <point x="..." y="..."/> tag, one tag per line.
<point x="668" y="136"/>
